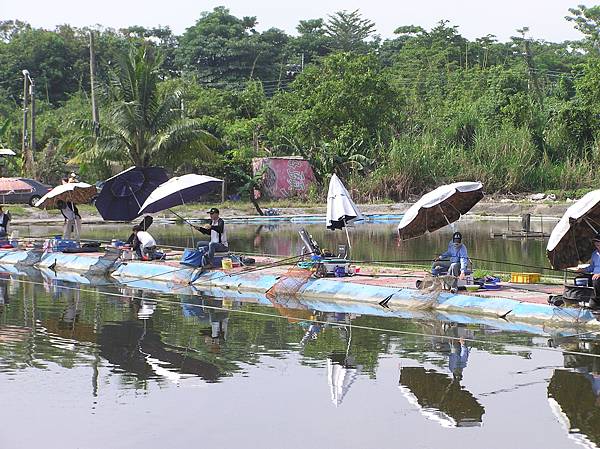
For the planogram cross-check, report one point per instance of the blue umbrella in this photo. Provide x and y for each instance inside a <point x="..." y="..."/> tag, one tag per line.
<point x="122" y="195"/>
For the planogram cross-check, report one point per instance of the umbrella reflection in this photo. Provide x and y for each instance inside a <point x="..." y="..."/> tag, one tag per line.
<point x="440" y="397"/>
<point x="574" y="394"/>
<point x="342" y="372"/>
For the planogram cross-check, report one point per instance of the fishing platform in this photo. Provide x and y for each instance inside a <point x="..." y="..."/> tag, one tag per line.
<point x="386" y="288"/>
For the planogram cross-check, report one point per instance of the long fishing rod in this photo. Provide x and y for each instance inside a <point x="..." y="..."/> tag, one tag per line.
<point x="356" y="326"/>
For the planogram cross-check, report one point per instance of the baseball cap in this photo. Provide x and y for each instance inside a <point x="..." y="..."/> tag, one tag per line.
<point x="457" y="237"/>
<point x="213" y="210"/>
<point x="596" y="238"/>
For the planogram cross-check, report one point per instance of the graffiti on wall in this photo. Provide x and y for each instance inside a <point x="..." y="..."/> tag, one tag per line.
<point x="283" y="177"/>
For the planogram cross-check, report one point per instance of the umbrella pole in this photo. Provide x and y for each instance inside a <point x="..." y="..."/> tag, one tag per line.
<point x="347" y="238"/>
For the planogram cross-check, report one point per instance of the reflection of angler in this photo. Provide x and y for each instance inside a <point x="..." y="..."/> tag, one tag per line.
<point x="311" y="333"/>
<point x="459" y="355"/>
<point x="3" y="293"/>
<point x="219" y="328"/>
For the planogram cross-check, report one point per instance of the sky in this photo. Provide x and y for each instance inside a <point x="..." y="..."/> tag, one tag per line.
<point x="475" y="18"/>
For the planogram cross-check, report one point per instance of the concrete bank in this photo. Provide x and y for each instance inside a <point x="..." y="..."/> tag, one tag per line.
<point x="275" y="281"/>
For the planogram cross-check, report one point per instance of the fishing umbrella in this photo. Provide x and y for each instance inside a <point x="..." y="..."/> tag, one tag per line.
<point x="570" y="241"/>
<point x="341" y="210"/>
<point x="178" y="191"/>
<point x="122" y="195"/>
<point x="439" y="208"/>
<point x="73" y="192"/>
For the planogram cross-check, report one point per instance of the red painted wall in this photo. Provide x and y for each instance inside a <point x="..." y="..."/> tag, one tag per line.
<point x="284" y="177"/>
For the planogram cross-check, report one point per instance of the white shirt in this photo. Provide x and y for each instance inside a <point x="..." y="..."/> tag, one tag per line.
<point x="146" y="240"/>
<point x="214" y="235"/>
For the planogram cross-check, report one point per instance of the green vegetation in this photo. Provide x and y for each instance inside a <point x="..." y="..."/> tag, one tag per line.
<point x="392" y="117"/>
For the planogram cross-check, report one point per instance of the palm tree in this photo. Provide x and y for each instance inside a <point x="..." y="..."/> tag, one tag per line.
<point x="142" y="126"/>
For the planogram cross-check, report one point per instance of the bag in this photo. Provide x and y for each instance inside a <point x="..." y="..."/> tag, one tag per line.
<point x="577" y="293"/>
<point x="247" y="260"/>
<point x="192" y="257"/>
<point x="61" y="245"/>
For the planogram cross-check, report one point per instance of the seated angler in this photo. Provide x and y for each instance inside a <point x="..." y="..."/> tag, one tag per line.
<point x="593" y="269"/>
<point x="455" y="259"/>
<point x="144" y="244"/>
<point x="218" y="237"/>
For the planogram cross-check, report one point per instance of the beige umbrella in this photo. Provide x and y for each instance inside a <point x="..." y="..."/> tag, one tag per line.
<point x="439" y="208"/>
<point x="74" y="192"/>
<point x="570" y="242"/>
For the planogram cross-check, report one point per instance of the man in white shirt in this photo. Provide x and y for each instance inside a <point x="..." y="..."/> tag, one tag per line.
<point x="72" y="219"/>
<point x="218" y="237"/>
<point x="143" y="244"/>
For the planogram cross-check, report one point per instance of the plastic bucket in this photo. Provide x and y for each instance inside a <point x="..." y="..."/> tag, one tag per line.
<point x="226" y="263"/>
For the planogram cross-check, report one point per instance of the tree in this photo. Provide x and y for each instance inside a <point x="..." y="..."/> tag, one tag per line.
<point x="223" y="49"/>
<point x="311" y="43"/>
<point x="141" y="126"/>
<point x="348" y="31"/>
<point x="335" y="111"/>
<point x="587" y="20"/>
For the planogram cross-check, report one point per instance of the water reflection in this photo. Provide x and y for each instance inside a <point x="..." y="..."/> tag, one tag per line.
<point x="440" y="396"/>
<point x="339" y="363"/>
<point x="574" y="394"/>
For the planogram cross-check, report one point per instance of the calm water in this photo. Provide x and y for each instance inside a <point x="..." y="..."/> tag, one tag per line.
<point x="114" y="367"/>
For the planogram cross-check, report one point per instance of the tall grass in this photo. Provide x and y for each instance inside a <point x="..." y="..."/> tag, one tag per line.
<point x="505" y="160"/>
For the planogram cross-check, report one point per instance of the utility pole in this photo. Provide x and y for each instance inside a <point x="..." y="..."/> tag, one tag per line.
<point x="28" y="144"/>
<point x="95" y="117"/>
<point x="32" y="138"/>
<point x="24" y="143"/>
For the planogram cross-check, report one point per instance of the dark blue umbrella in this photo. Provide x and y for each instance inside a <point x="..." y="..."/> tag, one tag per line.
<point x="122" y="195"/>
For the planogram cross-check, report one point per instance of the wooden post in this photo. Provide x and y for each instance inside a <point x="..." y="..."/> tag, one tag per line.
<point x="223" y="191"/>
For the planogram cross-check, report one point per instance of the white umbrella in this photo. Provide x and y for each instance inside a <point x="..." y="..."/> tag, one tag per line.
<point x="178" y="191"/>
<point x="7" y="152"/>
<point x="571" y="239"/>
<point x="73" y="192"/>
<point x="341" y="210"/>
<point x="439" y="208"/>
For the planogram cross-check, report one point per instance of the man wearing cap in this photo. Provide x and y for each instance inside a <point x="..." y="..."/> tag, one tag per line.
<point x="593" y="270"/>
<point x="455" y="259"/>
<point x="218" y="238"/>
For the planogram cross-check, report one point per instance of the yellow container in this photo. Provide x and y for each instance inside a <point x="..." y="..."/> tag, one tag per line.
<point x="226" y="263"/>
<point x="524" y="278"/>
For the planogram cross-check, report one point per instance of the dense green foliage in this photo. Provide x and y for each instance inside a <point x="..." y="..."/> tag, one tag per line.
<point x="392" y="117"/>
